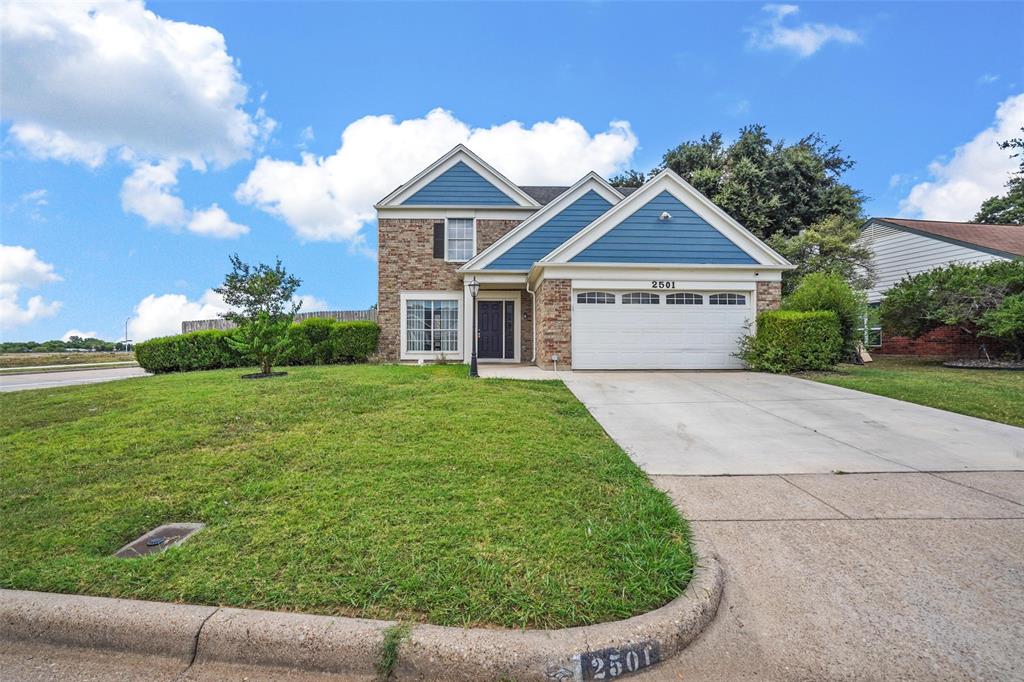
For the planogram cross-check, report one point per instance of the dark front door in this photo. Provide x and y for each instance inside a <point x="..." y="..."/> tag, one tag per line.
<point x="490" y="324"/>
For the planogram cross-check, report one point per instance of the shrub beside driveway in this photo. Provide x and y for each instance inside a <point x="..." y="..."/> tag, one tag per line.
<point x="379" y="491"/>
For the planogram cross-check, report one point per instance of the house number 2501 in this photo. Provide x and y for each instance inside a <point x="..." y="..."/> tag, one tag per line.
<point x="662" y="284"/>
<point x="609" y="664"/>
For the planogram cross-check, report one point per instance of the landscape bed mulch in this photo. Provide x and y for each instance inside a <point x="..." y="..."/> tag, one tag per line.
<point x="985" y="364"/>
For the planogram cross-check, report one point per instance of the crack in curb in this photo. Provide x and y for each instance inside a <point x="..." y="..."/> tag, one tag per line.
<point x="195" y="645"/>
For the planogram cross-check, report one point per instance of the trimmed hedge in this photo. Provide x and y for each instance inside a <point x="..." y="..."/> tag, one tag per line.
<point x="320" y="341"/>
<point x="187" y="352"/>
<point x="793" y="341"/>
<point x="317" y="341"/>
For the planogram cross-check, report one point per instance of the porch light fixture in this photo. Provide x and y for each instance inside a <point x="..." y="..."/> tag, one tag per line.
<point x="665" y="215"/>
<point x="474" y="289"/>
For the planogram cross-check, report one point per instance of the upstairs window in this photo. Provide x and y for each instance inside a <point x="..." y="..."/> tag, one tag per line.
<point x="459" y="240"/>
<point x="685" y="298"/>
<point x="727" y="299"/>
<point x="641" y="297"/>
<point x="595" y="297"/>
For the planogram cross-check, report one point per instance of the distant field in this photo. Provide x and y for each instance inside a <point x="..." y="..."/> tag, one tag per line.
<point x="8" y="360"/>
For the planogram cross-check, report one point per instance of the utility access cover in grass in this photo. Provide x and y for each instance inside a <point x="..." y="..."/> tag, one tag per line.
<point x="378" y="491"/>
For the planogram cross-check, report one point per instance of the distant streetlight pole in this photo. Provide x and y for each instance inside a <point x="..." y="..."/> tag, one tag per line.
<point x="126" y="334"/>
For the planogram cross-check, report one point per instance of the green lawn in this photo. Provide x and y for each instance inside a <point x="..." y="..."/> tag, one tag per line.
<point x="379" y="491"/>
<point x="997" y="395"/>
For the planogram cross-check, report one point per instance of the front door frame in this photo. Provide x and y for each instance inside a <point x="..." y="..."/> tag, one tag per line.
<point x="516" y="298"/>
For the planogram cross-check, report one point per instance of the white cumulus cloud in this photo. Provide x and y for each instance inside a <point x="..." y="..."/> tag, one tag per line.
<point x="80" y="334"/>
<point x="978" y="170"/>
<point x="804" y="39"/>
<point x="162" y="315"/>
<point x="147" y="192"/>
<point x="214" y="222"/>
<point x="20" y="268"/>
<point x="82" y="78"/>
<point x="332" y="197"/>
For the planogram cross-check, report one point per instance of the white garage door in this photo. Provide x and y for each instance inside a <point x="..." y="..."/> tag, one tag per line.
<point x="658" y="330"/>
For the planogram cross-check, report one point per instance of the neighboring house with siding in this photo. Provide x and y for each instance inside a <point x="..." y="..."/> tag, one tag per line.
<point x="902" y="247"/>
<point x="586" y="275"/>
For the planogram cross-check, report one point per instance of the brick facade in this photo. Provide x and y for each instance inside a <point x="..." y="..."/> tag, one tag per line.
<point x="769" y="296"/>
<point x="554" y="323"/>
<point x="945" y="342"/>
<point x="405" y="262"/>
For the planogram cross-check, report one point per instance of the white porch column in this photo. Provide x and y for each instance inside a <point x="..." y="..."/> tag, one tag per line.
<point x="467" y="323"/>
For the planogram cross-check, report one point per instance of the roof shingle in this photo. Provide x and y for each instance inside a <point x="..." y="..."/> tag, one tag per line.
<point x="1005" y="238"/>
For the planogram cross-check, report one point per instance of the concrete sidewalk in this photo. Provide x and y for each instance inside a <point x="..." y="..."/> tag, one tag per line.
<point x="859" y="577"/>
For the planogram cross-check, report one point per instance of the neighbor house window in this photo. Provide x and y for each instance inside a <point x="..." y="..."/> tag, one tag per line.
<point x="432" y="326"/>
<point x="684" y="298"/>
<point x="595" y="297"/>
<point x="459" y="239"/>
<point x="727" y="299"/>
<point x="641" y="297"/>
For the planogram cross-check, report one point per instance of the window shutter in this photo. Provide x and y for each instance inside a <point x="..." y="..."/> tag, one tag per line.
<point x="438" y="240"/>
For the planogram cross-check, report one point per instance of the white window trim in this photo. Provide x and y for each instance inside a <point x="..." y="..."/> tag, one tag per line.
<point x="447" y="220"/>
<point x="405" y="353"/>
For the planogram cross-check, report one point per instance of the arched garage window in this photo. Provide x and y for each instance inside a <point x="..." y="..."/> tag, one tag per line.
<point x="595" y="297"/>
<point x="684" y="298"/>
<point x="727" y="299"/>
<point x="641" y="297"/>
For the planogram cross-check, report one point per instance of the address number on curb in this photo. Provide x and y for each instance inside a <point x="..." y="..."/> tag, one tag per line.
<point x="612" y="663"/>
<point x="662" y="284"/>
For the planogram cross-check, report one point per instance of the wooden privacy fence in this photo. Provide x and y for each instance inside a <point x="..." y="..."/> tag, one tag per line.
<point x="339" y="315"/>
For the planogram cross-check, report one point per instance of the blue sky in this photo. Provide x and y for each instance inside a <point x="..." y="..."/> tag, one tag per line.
<point x="137" y="157"/>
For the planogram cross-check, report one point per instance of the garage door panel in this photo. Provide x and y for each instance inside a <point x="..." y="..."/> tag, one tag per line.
<point x="658" y="336"/>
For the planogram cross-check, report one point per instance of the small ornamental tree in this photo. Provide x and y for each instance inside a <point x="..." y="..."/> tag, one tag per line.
<point x="263" y="306"/>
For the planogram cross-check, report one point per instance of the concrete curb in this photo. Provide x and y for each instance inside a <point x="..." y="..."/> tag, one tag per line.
<point x="209" y="636"/>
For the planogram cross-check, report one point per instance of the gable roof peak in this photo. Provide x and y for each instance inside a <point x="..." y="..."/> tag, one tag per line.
<point x="591" y="182"/>
<point x="460" y="153"/>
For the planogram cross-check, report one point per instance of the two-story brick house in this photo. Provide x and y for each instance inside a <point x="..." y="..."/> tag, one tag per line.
<point x="585" y="276"/>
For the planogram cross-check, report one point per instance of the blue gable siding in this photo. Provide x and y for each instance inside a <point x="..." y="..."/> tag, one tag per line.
<point x="553" y="233"/>
<point x="460" y="185"/>
<point x="684" y="238"/>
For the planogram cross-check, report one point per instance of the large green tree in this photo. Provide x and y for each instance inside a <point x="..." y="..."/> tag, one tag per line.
<point x="831" y="247"/>
<point x="769" y="186"/>
<point x="1007" y="209"/>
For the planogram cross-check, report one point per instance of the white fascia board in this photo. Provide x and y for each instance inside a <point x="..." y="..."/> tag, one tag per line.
<point x="590" y="181"/>
<point x="684" y="285"/>
<point x="663" y="271"/>
<point x="459" y="153"/>
<point x="669" y="181"/>
<point x="441" y="212"/>
<point x="497" y="277"/>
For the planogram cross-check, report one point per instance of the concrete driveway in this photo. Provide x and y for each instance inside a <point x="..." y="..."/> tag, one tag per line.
<point x="24" y="382"/>
<point x="711" y="423"/>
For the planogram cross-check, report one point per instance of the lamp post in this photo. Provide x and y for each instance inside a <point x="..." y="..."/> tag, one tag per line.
<point x="126" y="333"/>
<point x="474" y="289"/>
